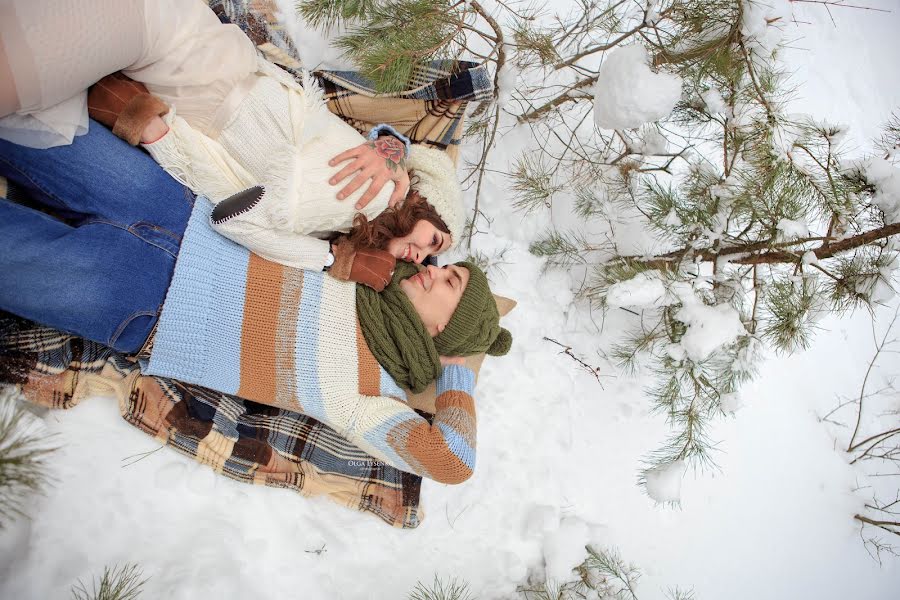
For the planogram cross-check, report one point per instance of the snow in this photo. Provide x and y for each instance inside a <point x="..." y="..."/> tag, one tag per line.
<point x="709" y="327"/>
<point x="558" y="454"/>
<point x="731" y="403"/>
<point x="563" y="546"/>
<point x="664" y="482"/>
<point x="644" y="290"/>
<point x="506" y="81"/>
<point x="652" y="141"/>
<point x="713" y="101"/>
<point x="886" y="179"/>
<point x="791" y="230"/>
<point x="764" y="22"/>
<point x="628" y="94"/>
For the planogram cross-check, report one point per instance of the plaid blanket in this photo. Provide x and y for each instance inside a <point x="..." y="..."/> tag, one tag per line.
<point x="430" y="112"/>
<point x="240" y="439"/>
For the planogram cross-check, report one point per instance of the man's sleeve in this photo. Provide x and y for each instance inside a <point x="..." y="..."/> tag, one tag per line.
<point x="444" y="450"/>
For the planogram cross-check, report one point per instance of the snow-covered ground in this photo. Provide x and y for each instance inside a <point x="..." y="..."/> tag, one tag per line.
<point x="558" y="454"/>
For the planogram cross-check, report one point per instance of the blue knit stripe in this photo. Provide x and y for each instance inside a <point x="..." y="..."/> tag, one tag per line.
<point x="456" y="377"/>
<point x="458" y="445"/>
<point x="389" y="386"/>
<point x="198" y="338"/>
<point x="227" y="319"/>
<point x="307" y="348"/>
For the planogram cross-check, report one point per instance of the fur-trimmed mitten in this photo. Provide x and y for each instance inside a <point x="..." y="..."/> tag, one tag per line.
<point x="367" y="266"/>
<point x="124" y="105"/>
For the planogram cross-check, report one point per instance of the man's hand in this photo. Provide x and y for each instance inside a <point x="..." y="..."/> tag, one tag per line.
<point x="453" y="360"/>
<point x="380" y="160"/>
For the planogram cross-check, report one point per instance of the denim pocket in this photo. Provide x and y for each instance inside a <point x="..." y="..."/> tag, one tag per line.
<point x="131" y="334"/>
<point x="158" y="236"/>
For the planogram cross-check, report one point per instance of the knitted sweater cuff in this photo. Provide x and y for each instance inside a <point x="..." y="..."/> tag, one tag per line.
<point x="456" y="377"/>
<point x="385" y="128"/>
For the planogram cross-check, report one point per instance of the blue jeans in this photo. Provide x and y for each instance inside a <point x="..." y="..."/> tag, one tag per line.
<point x="101" y="269"/>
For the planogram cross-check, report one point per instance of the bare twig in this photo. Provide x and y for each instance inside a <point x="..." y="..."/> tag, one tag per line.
<point x="567" y="350"/>
<point x="879" y="346"/>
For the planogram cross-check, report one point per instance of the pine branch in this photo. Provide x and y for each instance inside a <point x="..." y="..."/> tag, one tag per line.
<point x="453" y="591"/>
<point x="673" y="259"/>
<point x="117" y="583"/>
<point x="24" y="459"/>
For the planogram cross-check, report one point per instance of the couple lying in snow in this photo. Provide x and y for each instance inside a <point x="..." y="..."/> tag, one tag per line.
<point x="271" y="326"/>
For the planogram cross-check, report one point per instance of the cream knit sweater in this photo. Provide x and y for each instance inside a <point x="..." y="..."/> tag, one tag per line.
<point x="280" y="136"/>
<point x="237" y="120"/>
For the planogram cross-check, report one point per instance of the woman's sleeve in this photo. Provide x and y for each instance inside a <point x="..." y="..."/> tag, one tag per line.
<point x="443" y="451"/>
<point x="197" y="161"/>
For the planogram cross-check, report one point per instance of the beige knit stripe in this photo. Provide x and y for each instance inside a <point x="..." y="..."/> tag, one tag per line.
<point x="336" y="355"/>
<point x="286" y="341"/>
<point x="261" y="309"/>
<point x="369" y="373"/>
<point x="461" y="422"/>
<point x="398" y="439"/>
<point x="457" y="409"/>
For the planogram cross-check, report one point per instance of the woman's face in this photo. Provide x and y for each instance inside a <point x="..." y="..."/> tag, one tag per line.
<point x="435" y="294"/>
<point x="423" y="240"/>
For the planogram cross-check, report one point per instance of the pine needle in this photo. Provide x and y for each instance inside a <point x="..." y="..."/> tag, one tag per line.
<point x="24" y="455"/>
<point x="116" y="583"/>
<point x="437" y="591"/>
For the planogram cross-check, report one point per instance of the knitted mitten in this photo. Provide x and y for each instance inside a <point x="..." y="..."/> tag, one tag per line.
<point x="247" y="218"/>
<point x="367" y="266"/>
<point x="124" y="105"/>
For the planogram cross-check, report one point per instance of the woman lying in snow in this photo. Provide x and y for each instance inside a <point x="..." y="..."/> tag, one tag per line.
<point x="241" y="121"/>
<point x="235" y="322"/>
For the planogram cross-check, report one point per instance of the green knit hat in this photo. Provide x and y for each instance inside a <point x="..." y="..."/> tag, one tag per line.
<point x="475" y="325"/>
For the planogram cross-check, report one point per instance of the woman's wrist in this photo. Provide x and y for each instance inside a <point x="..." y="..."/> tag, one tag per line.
<point x="385" y="129"/>
<point x="329" y="258"/>
<point x="154" y="131"/>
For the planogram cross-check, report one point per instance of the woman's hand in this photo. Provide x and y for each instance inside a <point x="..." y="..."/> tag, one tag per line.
<point x="380" y="160"/>
<point x="453" y="360"/>
<point x="367" y="266"/>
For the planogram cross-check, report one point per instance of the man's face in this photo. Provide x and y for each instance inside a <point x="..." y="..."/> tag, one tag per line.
<point x="435" y="294"/>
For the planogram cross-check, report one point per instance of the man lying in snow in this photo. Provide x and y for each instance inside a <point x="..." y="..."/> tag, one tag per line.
<point x="234" y="322"/>
<point x="334" y="350"/>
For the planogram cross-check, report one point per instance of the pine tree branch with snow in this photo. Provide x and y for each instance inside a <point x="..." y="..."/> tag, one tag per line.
<point x="24" y="455"/>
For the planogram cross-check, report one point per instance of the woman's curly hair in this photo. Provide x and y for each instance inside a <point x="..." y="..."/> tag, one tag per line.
<point x="394" y="223"/>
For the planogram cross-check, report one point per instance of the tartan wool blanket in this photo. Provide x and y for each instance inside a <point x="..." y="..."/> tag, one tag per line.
<point x="243" y="440"/>
<point x="430" y="112"/>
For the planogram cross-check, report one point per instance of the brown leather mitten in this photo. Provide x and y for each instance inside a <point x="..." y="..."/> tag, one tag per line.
<point x="367" y="266"/>
<point x="124" y="105"/>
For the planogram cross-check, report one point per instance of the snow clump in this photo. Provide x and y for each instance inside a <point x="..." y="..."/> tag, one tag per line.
<point x="628" y="94"/>
<point x="763" y="24"/>
<point x="664" y="482"/>
<point x="713" y="101"/>
<point x="644" y="290"/>
<point x="791" y="230"/>
<point x="886" y="179"/>
<point x="652" y="142"/>
<point x="709" y="327"/>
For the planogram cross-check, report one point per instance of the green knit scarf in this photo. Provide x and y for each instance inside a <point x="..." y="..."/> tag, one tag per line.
<point x="395" y="332"/>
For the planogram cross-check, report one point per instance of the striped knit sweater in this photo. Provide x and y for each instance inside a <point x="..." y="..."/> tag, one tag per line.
<point x="287" y="337"/>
